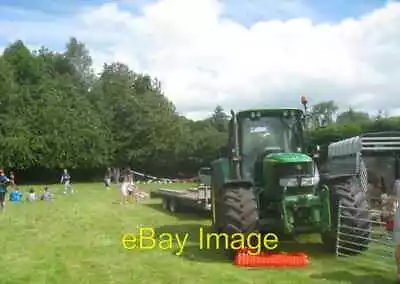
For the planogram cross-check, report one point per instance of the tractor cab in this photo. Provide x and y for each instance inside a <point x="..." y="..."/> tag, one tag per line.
<point x="267" y="133"/>
<point x="269" y="147"/>
<point x="269" y="156"/>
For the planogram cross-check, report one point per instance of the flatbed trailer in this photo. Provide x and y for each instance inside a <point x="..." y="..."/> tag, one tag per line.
<point x="174" y="200"/>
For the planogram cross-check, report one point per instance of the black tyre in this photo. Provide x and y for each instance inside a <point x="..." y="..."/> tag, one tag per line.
<point x="173" y="205"/>
<point x="355" y="225"/>
<point x="215" y="208"/>
<point x="238" y="213"/>
<point x="165" y="203"/>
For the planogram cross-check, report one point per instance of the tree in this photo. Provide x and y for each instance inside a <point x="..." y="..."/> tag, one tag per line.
<point x="80" y="59"/>
<point x="220" y="119"/>
<point x="352" y="116"/>
<point x="382" y="114"/>
<point x="323" y="113"/>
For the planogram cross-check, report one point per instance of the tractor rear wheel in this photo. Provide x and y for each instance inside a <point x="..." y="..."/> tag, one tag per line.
<point x="352" y="235"/>
<point x="239" y="214"/>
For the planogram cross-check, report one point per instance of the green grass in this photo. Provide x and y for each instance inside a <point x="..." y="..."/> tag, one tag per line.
<point x="77" y="239"/>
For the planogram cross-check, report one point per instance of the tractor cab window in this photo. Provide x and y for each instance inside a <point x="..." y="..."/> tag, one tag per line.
<point x="205" y="171"/>
<point x="267" y="135"/>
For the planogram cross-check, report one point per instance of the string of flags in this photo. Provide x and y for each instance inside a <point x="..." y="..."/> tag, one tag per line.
<point x="159" y="180"/>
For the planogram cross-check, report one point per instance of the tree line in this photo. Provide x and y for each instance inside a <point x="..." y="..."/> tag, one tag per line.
<point x="328" y="125"/>
<point x="57" y="113"/>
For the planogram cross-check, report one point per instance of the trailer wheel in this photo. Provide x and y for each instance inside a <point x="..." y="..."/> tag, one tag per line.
<point x="353" y="235"/>
<point x="173" y="205"/>
<point x="165" y="203"/>
<point x="239" y="214"/>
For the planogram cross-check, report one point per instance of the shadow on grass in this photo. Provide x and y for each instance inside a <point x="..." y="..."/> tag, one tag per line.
<point x="348" y="277"/>
<point x="199" y="248"/>
<point x="184" y="214"/>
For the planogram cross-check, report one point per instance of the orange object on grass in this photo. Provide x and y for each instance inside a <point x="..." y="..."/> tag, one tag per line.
<point x="271" y="259"/>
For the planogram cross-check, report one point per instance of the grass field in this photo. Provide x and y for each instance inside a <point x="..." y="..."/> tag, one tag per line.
<point x="77" y="239"/>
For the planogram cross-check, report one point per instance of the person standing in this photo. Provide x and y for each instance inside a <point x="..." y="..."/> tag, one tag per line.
<point x="66" y="180"/>
<point x="124" y="188"/>
<point x="4" y="182"/>
<point x="131" y="187"/>
<point x="107" y="179"/>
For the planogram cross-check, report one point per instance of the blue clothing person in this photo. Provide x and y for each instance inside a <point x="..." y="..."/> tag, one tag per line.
<point x="15" y="196"/>
<point x="4" y="181"/>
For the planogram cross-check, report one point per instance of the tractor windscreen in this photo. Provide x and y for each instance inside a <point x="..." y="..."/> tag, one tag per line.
<point x="268" y="134"/>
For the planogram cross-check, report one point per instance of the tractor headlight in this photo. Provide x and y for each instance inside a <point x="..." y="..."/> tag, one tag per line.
<point x="310" y="181"/>
<point x="288" y="182"/>
<point x="301" y="180"/>
<point x="293" y="182"/>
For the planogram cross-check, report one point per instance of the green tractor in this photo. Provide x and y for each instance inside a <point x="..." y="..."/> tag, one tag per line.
<point x="268" y="184"/>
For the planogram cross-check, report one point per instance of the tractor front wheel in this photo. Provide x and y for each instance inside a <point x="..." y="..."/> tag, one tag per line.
<point x="352" y="235"/>
<point x="239" y="214"/>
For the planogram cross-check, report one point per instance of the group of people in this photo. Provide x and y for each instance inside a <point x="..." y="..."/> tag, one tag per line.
<point x="127" y="187"/>
<point x="15" y="195"/>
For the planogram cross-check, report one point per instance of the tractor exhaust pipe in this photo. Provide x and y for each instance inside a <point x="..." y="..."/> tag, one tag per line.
<point x="235" y="150"/>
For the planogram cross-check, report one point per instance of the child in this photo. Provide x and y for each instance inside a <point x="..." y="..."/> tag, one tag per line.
<point x="16" y="196"/>
<point x="46" y="196"/>
<point x="126" y="187"/>
<point x="131" y="187"/>
<point x="124" y="190"/>
<point x="4" y="182"/>
<point x="32" y="195"/>
<point x="66" y="180"/>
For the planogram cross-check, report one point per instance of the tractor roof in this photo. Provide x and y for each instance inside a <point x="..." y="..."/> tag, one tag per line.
<point x="267" y="111"/>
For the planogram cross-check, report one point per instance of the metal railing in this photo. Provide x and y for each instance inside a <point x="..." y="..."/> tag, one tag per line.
<point x="379" y="143"/>
<point x="379" y="250"/>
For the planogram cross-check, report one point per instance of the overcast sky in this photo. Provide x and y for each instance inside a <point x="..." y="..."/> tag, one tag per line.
<point x="239" y="54"/>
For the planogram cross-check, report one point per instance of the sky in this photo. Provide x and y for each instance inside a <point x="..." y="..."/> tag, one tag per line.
<point x="237" y="54"/>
